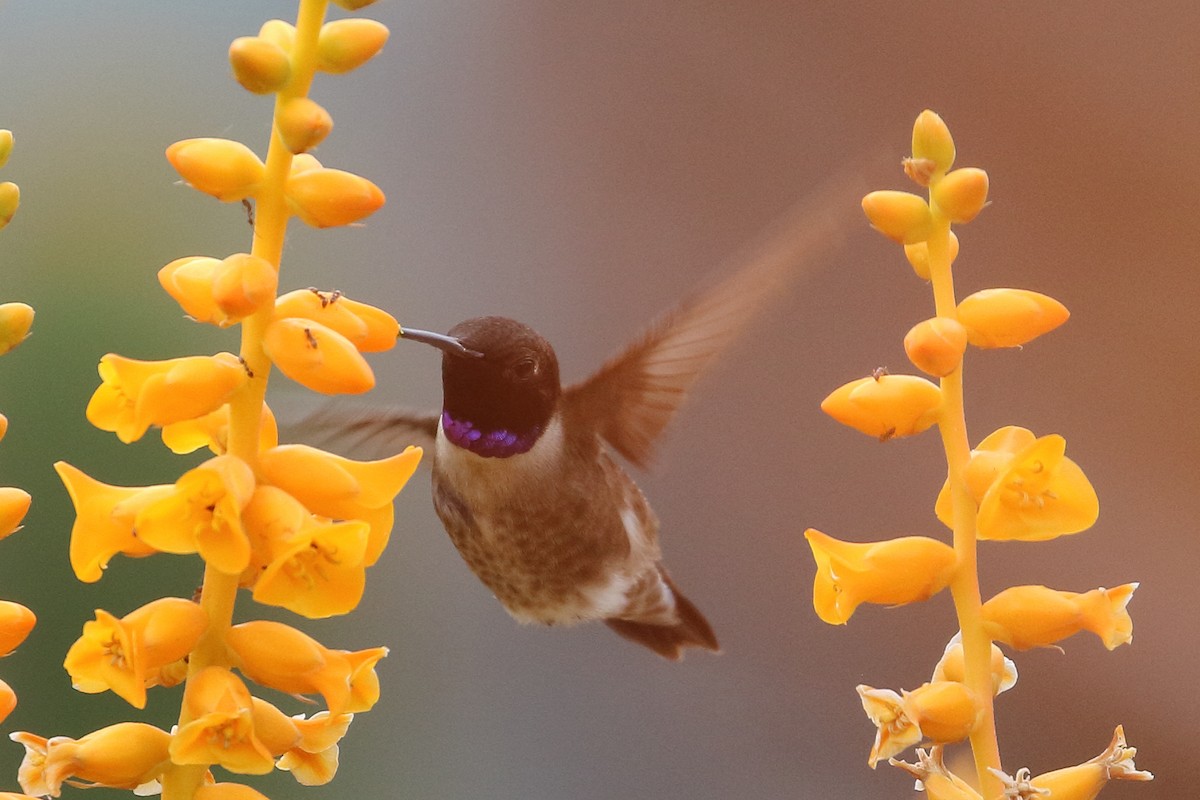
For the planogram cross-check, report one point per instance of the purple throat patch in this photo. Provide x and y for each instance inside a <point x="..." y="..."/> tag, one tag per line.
<point x="499" y="443"/>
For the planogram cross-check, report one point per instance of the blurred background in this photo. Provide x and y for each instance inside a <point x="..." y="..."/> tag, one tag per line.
<point x="580" y="166"/>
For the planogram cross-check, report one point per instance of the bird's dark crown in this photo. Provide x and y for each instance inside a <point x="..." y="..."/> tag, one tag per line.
<point x="498" y="403"/>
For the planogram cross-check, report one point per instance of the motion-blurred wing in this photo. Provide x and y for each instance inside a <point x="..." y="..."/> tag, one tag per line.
<point x="368" y="431"/>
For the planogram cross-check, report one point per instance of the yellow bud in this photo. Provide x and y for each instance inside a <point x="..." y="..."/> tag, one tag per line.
<point x="3" y="426"/>
<point x="347" y="44"/>
<point x="279" y="33"/>
<point x="918" y="256"/>
<point x="6" y="146"/>
<point x="952" y="667"/>
<point x="317" y="357"/>
<point x="370" y="329"/>
<point x="227" y="170"/>
<point x="892" y="572"/>
<point x="10" y="198"/>
<point x="936" y="345"/>
<point x="303" y="124"/>
<point x="901" y="216"/>
<point x="945" y="710"/>
<point x="16" y="621"/>
<point x="242" y="284"/>
<point x="1009" y="317"/>
<point x="14" y="505"/>
<point x="886" y="407"/>
<point x="15" y="322"/>
<point x="961" y="194"/>
<point x="189" y="281"/>
<point x="325" y="198"/>
<point x="1036" y="616"/>
<point x="931" y="140"/>
<point x="302" y="163"/>
<point x="260" y="65"/>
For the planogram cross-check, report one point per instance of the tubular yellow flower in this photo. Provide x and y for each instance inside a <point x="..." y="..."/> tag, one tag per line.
<point x="125" y="655"/>
<point x="940" y="711"/>
<point x="952" y="667"/>
<point x="347" y="44"/>
<point x="222" y="727"/>
<point x="1040" y="495"/>
<point x="1035" y="616"/>
<point x="936" y="346"/>
<point x="320" y="574"/>
<point x="281" y="657"/>
<point x="931" y="140"/>
<point x="104" y="518"/>
<point x="317" y="357"/>
<point x="1009" y="317"/>
<point x="311" y="769"/>
<point x="961" y="194"/>
<point x="137" y="394"/>
<point x="15" y="321"/>
<point x="259" y="65"/>
<point x="1084" y="781"/>
<point x="886" y="407"/>
<point x="903" y="217"/>
<point x="303" y="124"/>
<point x="227" y="170"/>
<point x="892" y="572"/>
<point x="212" y="431"/>
<point x="14" y="505"/>
<point x="327" y="198"/>
<point x="341" y="488"/>
<point x="128" y="755"/>
<point x="895" y="730"/>
<point x="306" y="748"/>
<point x="918" y="256"/>
<point x="220" y="292"/>
<point x="16" y="621"/>
<point x="10" y="200"/>
<point x="368" y="328"/>
<point x="934" y="779"/>
<point x="203" y="514"/>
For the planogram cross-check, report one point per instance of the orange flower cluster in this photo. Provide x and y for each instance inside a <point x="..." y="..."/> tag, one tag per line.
<point x="295" y="526"/>
<point x="1013" y="485"/>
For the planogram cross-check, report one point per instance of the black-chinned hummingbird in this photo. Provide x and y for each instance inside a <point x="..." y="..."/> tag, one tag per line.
<point x="525" y="475"/>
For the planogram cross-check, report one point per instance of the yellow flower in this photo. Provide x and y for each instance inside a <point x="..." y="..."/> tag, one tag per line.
<point x="104" y="518"/>
<point x="368" y="328"/>
<point x="10" y="200"/>
<point x="212" y="431"/>
<point x="125" y="654"/>
<point x="936" y="345"/>
<point x="321" y="572"/>
<point x="259" y="65"/>
<point x="6" y="145"/>
<point x="940" y="711"/>
<point x="227" y="170"/>
<point x="128" y="755"/>
<point x="228" y="791"/>
<point x="220" y="292"/>
<point x="137" y="394"/>
<point x="892" y="572"/>
<point x="308" y="748"/>
<point x="317" y="357"/>
<point x="903" y="217"/>
<point x="16" y="621"/>
<point x="961" y="194"/>
<point x="1009" y="317"/>
<point x="1084" y="781"/>
<point x="203" y="514"/>
<point x="222" y="727"/>
<point x="14" y="505"/>
<point x="15" y="321"/>
<point x="932" y="776"/>
<point x="347" y="44"/>
<point x="341" y="488"/>
<point x="1026" y="487"/>
<point x="326" y="198"/>
<point x="931" y="141"/>
<point x="951" y="667"/>
<point x="281" y="657"/>
<point x="1035" y="616"/>
<point x="8" y="700"/>
<point x="302" y="124"/>
<point x="885" y="406"/>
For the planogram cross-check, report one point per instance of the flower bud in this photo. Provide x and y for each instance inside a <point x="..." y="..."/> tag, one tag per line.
<point x="961" y="194"/>
<point x="3" y="426"/>
<point x="16" y="621"/>
<point x="931" y="140"/>
<point x="242" y="284"/>
<point x="325" y="198"/>
<point x="1036" y="616"/>
<point x="15" y="321"/>
<point x="952" y="667"/>
<point x="6" y="146"/>
<point x="10" y="198"/>
<point x="901" y="216"/>
<point x="893" y="572"/>
<point x="370" y="329"/>
<point x="317" y="357"/>
<point x="279" y="33"/>
<point x="14" y="505"/>
<point x="227" y="170"/>
<point x="189" y="282"/>
<point x="259" y="65"/>
<point x="303" y="124"/>
<point x="936" y="345"/>
<point x="347" y="44"/>
<point x="1009" y="317"/>
<point x="918" y="256"/>
<point x="885" y="407"/>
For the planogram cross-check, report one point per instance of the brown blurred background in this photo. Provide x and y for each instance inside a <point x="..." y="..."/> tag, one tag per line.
<point x="579" y="166"/>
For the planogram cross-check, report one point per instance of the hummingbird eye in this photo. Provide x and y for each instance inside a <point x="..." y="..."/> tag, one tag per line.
<point x="524" y="369"/>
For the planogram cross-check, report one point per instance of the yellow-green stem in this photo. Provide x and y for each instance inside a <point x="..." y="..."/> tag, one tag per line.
<point x="977" y="646"/>
<point x="219" y="592"/>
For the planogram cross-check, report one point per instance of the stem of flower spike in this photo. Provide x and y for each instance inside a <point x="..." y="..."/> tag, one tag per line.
<point x="219" y="592"/>
<point x="977" y="646"/>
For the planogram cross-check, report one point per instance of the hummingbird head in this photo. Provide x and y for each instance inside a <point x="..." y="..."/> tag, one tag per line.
<point x="500" y="384"/>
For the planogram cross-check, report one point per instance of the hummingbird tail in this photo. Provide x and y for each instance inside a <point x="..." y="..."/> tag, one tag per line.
<point x="669" y="641"/>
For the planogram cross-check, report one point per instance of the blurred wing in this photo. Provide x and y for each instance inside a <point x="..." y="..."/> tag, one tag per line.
<point x="367" y="431"/>
<point x="636" y="393"/>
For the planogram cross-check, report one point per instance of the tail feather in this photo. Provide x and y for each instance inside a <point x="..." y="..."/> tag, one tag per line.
<point x="669" y="641"/>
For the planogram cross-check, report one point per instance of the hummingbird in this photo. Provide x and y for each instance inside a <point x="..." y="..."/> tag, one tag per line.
<point x="527" y="473"/>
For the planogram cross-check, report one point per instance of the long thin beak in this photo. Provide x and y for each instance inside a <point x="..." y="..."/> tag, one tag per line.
<point x="439" y="340"/>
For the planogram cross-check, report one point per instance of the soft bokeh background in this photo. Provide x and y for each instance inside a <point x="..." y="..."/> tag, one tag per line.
<point x="579" y="166"/>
